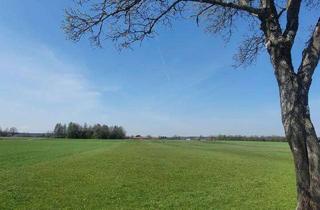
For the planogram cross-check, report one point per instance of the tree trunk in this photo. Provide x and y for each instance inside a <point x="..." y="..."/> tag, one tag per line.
<point x="301" y="137"/>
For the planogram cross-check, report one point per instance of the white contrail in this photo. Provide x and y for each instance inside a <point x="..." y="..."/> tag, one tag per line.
<point x="164" y="63"/>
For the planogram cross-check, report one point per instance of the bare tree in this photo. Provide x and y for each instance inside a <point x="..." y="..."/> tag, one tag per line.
<point x="272" y="23"/>
<point x="13" y="131"/>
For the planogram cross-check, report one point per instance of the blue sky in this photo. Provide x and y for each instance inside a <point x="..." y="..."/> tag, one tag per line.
<point x="180" y="82"/>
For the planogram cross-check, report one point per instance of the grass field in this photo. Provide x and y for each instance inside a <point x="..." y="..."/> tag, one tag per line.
<point x="92" y="174"/>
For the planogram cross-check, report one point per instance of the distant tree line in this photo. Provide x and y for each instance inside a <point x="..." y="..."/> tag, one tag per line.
<point x="248" y="138"/>
<point x="8" y="132"/>
<point x="224" y="138"/>
<point x="97" y="131"/>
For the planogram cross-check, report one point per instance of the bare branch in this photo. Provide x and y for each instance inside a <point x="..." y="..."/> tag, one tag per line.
<point x="281" y="12"/>
<point x="312" y="4"/>
<point x="293" y="9"/>
<point x="202" y="10"/>
<point x="249" y="50"/>
<point x="133" y="20"/>
<point x="220" y="20"/>
<point x="269" y="18"/>
<point x="311" y="55"/>
<point x="128" y="21"/>
<point x="238" y="5"/>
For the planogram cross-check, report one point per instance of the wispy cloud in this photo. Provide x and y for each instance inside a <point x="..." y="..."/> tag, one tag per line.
<point x="39" y="88"/>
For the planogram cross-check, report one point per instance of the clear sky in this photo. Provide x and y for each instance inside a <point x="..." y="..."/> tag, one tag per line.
<point x="179" y="83"/>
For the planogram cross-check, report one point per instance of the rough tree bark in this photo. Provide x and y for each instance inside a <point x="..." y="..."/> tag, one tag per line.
<point x="302" y="139"/>
<point x="294" y="91"/>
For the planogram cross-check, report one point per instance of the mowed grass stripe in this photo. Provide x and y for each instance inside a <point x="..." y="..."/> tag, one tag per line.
<point x="149" y="175"/>
<point x="16" y="153"/>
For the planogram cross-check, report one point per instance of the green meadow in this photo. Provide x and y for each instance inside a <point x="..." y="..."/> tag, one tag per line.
<point x="94" y="174"/>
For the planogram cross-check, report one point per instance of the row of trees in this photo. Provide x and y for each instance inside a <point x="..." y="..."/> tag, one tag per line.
<point x="221" y="138"/>
<point x="97" y="131"/>
<point x="248" y="138"/>
<point x="8" y="132"/>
